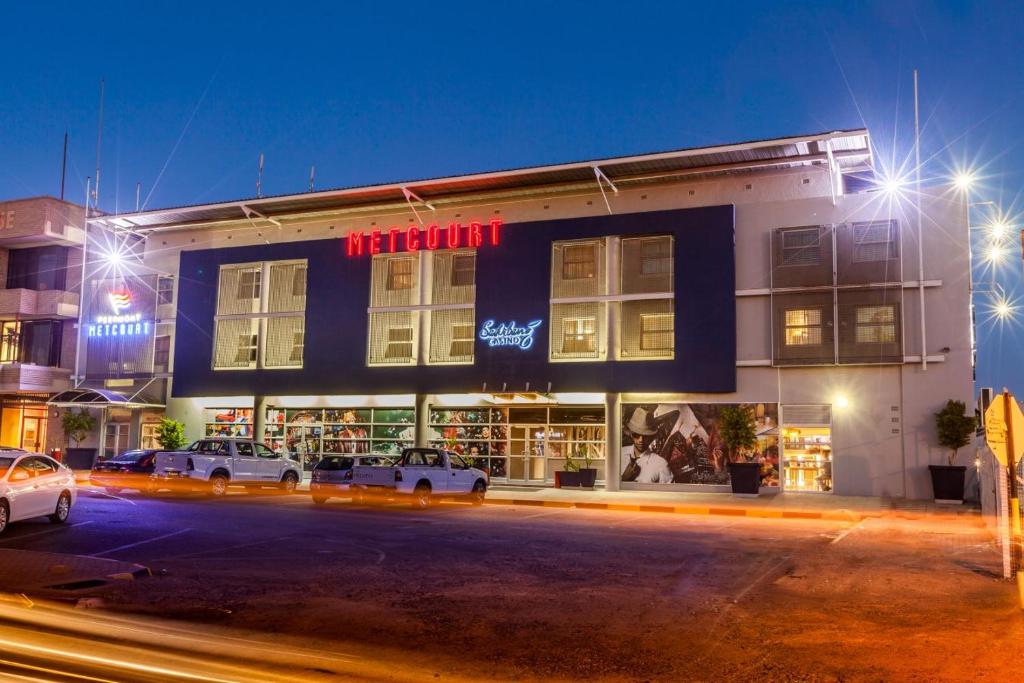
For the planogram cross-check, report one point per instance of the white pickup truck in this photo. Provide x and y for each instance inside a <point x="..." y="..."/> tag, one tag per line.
<point x="216" y="463"/>
<point x="424" y="474"/>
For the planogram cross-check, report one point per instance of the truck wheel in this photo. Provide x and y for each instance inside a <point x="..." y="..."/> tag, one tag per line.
<point x="421" y="497"/>
<point x="288" y="482"/>
<point x="319" y="500"/>
<point x="476" y="496"/>
<point x="218" y="485"/>
<point x="5" y="515"/>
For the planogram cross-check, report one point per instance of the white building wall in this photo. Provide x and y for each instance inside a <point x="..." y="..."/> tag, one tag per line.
<point x="882" y="441"/>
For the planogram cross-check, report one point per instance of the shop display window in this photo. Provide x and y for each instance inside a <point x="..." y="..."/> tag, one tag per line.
<point x="807" y="458"/>
<point x="522" y="444"/>
<point x="230" y="422"/>
<point x="308" y="433"/>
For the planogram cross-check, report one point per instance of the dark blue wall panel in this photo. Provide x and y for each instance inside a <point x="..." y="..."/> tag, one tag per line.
<point x="513" y="283"/>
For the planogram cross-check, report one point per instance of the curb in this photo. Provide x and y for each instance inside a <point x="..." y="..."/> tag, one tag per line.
<point x="757" y="513"/>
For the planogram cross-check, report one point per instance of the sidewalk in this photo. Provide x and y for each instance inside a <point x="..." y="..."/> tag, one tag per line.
<point x="771" y="506"/>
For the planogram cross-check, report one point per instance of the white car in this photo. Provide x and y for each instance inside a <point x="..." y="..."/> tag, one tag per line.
<point x="216" y="463"/>
<point x="422" y="474"/>
<point x="34" y="485"/>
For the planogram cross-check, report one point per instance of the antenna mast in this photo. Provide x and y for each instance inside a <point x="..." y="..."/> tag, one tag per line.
<point x="99" y="142"/>
<point x="312" y="176"/>
<point x="64" y="166"/>
<point x="259" y="178"/>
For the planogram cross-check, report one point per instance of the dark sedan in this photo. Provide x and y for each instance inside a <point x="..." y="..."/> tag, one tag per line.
<point x="129" y="470"/>
<point x="332" y="476"/>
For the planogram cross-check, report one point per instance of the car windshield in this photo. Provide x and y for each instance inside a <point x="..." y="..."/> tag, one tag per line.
<point x="335" y="463"/>
<point x="5" y="464"/>
<point x="129" y="456"/>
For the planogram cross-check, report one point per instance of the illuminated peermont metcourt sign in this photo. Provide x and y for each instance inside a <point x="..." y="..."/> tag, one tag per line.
<point x="122" y="323"/>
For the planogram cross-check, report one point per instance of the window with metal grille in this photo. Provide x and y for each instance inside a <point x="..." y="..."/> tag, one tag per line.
<point x="463" y="270"/>
<point x="656" y="331"/>
<point x="400" y="273"/>
<point x="579" y="335"/>
<point x="875" y="324"/>
<point x="655" y="257"/>
<point x="877" y="241"/>
<point x="403" y="315"/>
<point x="259" y="325"/>
<point x="164" y="291"/>
<point x="162" y="353"/>
<point x="800" y="247"/>
<point x="399" y="343"/>
<point x="579" y="261"/>
<point x="803" y="327"/>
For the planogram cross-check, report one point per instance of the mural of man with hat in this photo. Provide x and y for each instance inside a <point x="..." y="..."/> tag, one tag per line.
<point x="641" y="464"/>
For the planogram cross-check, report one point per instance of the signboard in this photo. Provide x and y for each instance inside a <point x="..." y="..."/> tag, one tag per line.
<point x="509" y="334"/>
<point x="429" y="237"/>
<point x="122" y="321"/>
<point x="996" y="427"/>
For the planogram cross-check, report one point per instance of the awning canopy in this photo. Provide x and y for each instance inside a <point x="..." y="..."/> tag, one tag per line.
<point x="99" y="398"/>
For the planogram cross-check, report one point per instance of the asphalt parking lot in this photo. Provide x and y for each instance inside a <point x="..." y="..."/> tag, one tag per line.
<point x="528" y="593"/>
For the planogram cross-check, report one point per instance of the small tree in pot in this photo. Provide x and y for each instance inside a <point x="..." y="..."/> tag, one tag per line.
<point x="573" y="475"/>
<point x="170" y="434"/>
<point x="954" y="429"/>
<point x="738" y="431"/>
<point x="76" y="425"/>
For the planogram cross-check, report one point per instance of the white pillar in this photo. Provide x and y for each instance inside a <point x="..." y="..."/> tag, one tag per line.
<point x="259" y="418"/>
<point x="422" y="420"/>
<point x="612" y="440"/>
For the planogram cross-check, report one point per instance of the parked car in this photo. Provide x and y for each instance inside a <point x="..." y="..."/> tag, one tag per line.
<point x="332" y="476"/>
<point x="423" y="474"/>
<point x="217" y="463"/>
<point x="34" y="485"/>
<point x="129" y="470"/>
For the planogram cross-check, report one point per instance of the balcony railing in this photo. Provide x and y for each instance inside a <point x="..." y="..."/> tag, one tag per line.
<point x="33" y="378"/>
<point x="22" y="304"/>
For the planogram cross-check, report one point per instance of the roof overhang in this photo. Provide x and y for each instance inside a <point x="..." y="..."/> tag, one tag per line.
<point x="98" y="398"/>
<point x="838" y="151"/>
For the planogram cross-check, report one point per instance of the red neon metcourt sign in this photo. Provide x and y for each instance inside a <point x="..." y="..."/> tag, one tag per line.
<point x="417" y="237"/>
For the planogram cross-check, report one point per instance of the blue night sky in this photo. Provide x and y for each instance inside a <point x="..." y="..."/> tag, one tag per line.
<point x="375" y="92"/>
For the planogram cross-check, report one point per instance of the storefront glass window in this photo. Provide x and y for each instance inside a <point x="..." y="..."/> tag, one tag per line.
<point x="807" y="448"/>
<point x="236" y="422"/>
<point x="307" y="434"/>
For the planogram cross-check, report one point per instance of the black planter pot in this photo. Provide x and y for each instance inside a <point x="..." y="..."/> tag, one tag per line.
<point x="578" y="479"/>
<point x="745" y="478"/>
<point x="948" y="483"/>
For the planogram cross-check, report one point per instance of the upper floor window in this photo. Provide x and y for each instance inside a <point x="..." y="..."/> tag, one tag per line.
<point x="38" y="268"/>
<point x="37" y="342"/>
<point x="403" y="314"/>
<point x="257" y="325"/>
<point x="875" y="324"/>
<point x="164" y="291"/>
<point x="803" y="327"/>
<point x="641" y="291"/>
<point x="800" y="247"/>
<point x="876" y="241"/>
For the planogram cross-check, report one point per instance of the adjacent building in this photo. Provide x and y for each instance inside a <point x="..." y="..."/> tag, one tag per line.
<point x="604" y="313"/>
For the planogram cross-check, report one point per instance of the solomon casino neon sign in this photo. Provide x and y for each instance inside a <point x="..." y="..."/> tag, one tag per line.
<point x="429" y="237"/>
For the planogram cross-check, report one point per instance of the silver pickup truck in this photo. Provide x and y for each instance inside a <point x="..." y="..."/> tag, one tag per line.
<point x="216" y="463"/>
<point x="423" y="474"/>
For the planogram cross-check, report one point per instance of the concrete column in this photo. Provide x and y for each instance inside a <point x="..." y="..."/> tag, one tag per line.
<point x="614" y="309"/>
<point x="612" y="440"/>
<point x="259" y="417"/>
<point x="422" y="420"/>
<point x="102" y="450"/>
<point x="135" y="428"/>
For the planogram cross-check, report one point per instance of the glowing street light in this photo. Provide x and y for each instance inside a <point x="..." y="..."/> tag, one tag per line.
<point x="1003" y="309"/>
<point x="892" y="185"/>
<point x="995" y="253"/>
<point x="963" y="181"/>
<point x="999" y="228"/>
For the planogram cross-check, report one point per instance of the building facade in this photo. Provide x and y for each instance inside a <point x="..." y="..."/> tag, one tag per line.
<point x="605" y="313"/>
<point x="40" y="278"/>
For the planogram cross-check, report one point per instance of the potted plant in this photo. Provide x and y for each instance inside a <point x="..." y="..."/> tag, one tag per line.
<point x="170" y="434"/>
<point x="737" y="429"/>
<point x="76" y="425"/>
<point x="954" y="429"/>
<point x="572" y="475"/>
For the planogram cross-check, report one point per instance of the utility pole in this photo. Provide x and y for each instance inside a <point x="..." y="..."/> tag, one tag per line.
<point x="64" y="166"/>
<point x="1011" y="468"/>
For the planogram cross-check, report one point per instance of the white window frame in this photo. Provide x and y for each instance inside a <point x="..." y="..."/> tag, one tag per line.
<point x="260" y="314"/>
<point x="420" y="308"/>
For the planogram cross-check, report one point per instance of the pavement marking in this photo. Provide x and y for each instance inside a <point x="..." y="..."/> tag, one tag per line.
<point x="45" y="531"/>
<point x="132" y="545"/>
<point x="842" y="534"/>
<point x="535" y="515"/>
<point x="108" y="495"/>
<point x="221" y="549"/>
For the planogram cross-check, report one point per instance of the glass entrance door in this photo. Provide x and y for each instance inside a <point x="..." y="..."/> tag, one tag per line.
<point x="528" y="453"/>
<point x="116" y="440"/>
<point x="31" y="434"/>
